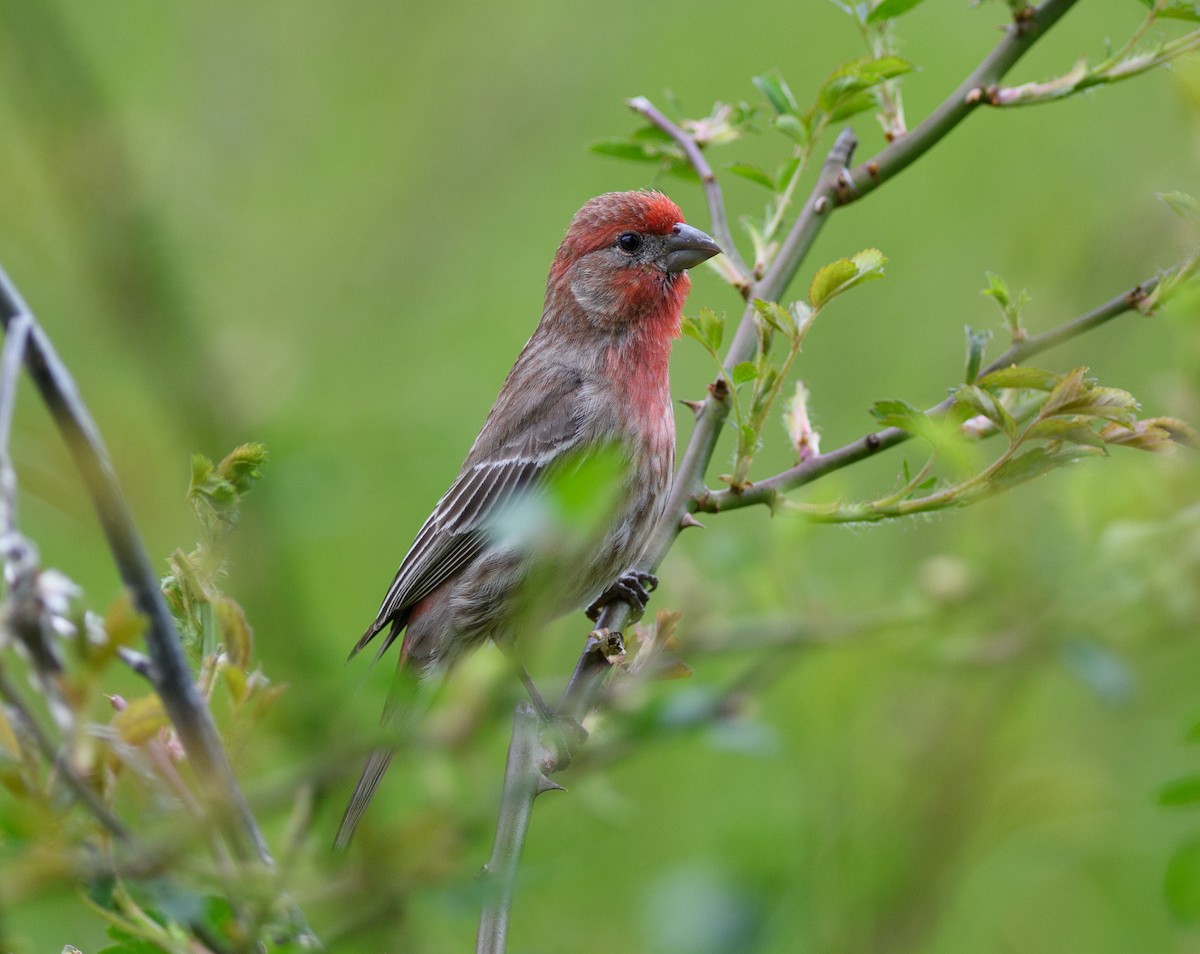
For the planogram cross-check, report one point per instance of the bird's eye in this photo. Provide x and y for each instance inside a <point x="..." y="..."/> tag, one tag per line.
<point x="629" y="241"/>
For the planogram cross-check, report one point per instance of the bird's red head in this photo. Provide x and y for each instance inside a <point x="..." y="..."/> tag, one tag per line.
<point x="625" y="256"/>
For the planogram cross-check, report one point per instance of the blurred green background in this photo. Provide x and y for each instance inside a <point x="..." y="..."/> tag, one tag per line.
<point x="327" y="227"/>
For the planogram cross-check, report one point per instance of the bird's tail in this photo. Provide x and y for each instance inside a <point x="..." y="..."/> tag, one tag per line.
<point x="372" y="774"/>
<point x="411" y="695"/>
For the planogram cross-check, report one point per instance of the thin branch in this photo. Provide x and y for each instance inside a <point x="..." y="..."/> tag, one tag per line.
<point x="769" y="490"/>
<point x="15" y="341"/>
<point x="1019" y="36"/>
<point x="174" y="683"/>
<point x="523" y="780"/>
<point x="712" y="188"/>
<point x="836" y="185"/>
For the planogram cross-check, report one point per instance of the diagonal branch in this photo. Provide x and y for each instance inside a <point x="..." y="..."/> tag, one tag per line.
<point x="173" y="682"/>
<point x="1021" y="34"/>
<point x="708" y="179"/>
<point x="836" y="185"/>
<point x="770" y="490"/>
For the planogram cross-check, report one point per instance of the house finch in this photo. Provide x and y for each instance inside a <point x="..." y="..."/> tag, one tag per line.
<point x="592" y="376"/>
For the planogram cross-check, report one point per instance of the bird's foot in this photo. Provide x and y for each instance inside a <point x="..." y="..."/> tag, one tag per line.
<point x="633" y="587"/>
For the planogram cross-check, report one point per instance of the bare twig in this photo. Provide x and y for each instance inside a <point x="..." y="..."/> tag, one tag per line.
<point x="708" y="179"/>
<point x="769" y="490"/>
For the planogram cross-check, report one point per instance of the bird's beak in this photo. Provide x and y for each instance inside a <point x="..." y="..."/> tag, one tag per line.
<point x="685" y="247"/>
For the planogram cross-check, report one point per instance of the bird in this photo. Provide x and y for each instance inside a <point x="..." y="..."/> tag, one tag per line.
<point x="592" y="377"/>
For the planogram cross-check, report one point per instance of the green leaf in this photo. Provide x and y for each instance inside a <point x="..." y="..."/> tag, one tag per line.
<point x="792" y="127"/>
<point x="1024" y="467"/>
<point x="1143" y="435"/>
<point x="773" y="87"/>
<point x="627" y="149"/>
<point x="887" y="9"/>
<point x="1183" y="205"/>
<point x="986" y="404"/>
<point x="753" y="173"/>
<point x="1076" y="430"/>
<point x="1069" y="388"/>
<point x="787" y="169"/>
<point x="680" y="168"/>
<point x="997" y="289"/>
<point x="856" y="77"/>
<point x="743" y="372"/>
<point x="1016" y="376"/>
<point x="1182" y="882"/>
<point x="775" y="316"/>
<point x="977" y="342"/>
<point x="1181" y="791"/>
<point x="840" y="276"/>
<point x="708" y="329"/>
<point x="897" y="413"/>
<point x="1175" y="9"/>
<point x="852" y="105"/>
<point x="653" y="134"/>
<point x="1110" y="404"/>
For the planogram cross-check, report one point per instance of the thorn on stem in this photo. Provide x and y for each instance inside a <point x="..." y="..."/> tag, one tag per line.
<point x="138" y="662"/>
<point x="719" y="389"/>
<point x="546" y="784"/>
<point x="687" y="520"/>
<point x="696" y="406"/>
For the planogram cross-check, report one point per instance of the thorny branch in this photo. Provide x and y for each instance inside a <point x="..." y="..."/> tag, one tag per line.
<point x="769" y="490"/>
<point x="837" y="185"/>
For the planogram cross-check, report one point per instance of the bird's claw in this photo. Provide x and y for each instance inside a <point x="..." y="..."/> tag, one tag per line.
<point x="633" y="587"/>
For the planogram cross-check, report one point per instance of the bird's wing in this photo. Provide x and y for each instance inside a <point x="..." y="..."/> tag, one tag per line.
<point x="499" y="468"/>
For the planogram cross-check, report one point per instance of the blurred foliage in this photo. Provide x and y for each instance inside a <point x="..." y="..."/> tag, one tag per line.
<point x="967" y="732"/>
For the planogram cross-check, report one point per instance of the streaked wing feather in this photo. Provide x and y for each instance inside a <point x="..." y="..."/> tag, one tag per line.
<point x="456" y="531"/>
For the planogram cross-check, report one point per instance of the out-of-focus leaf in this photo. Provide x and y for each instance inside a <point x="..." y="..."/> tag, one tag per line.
<point x="1016" y="376"/>
<point x="141" y="720"/>
<point x="977" y="342"/>
<point x="887" y="9"/>
<point x="787" y="169"/>
<point x="982" y="402"/>
<point x="1175" y="9"/>
<point x="1182" y="882"/>
<point x="753" y="173"/>
<point x="1183" y="204"/>
<point x="1077" y="430"/>
<point x="773" y="87"/>
<point x="627" y="149"/>
<point x="1180" y="791"/>
<point x="1143" y="435"/>
<point x="791" y="126"/>
<point x="236" y="635"/>
<point x="851" y="105"/>
<point x="897" y="413"/>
